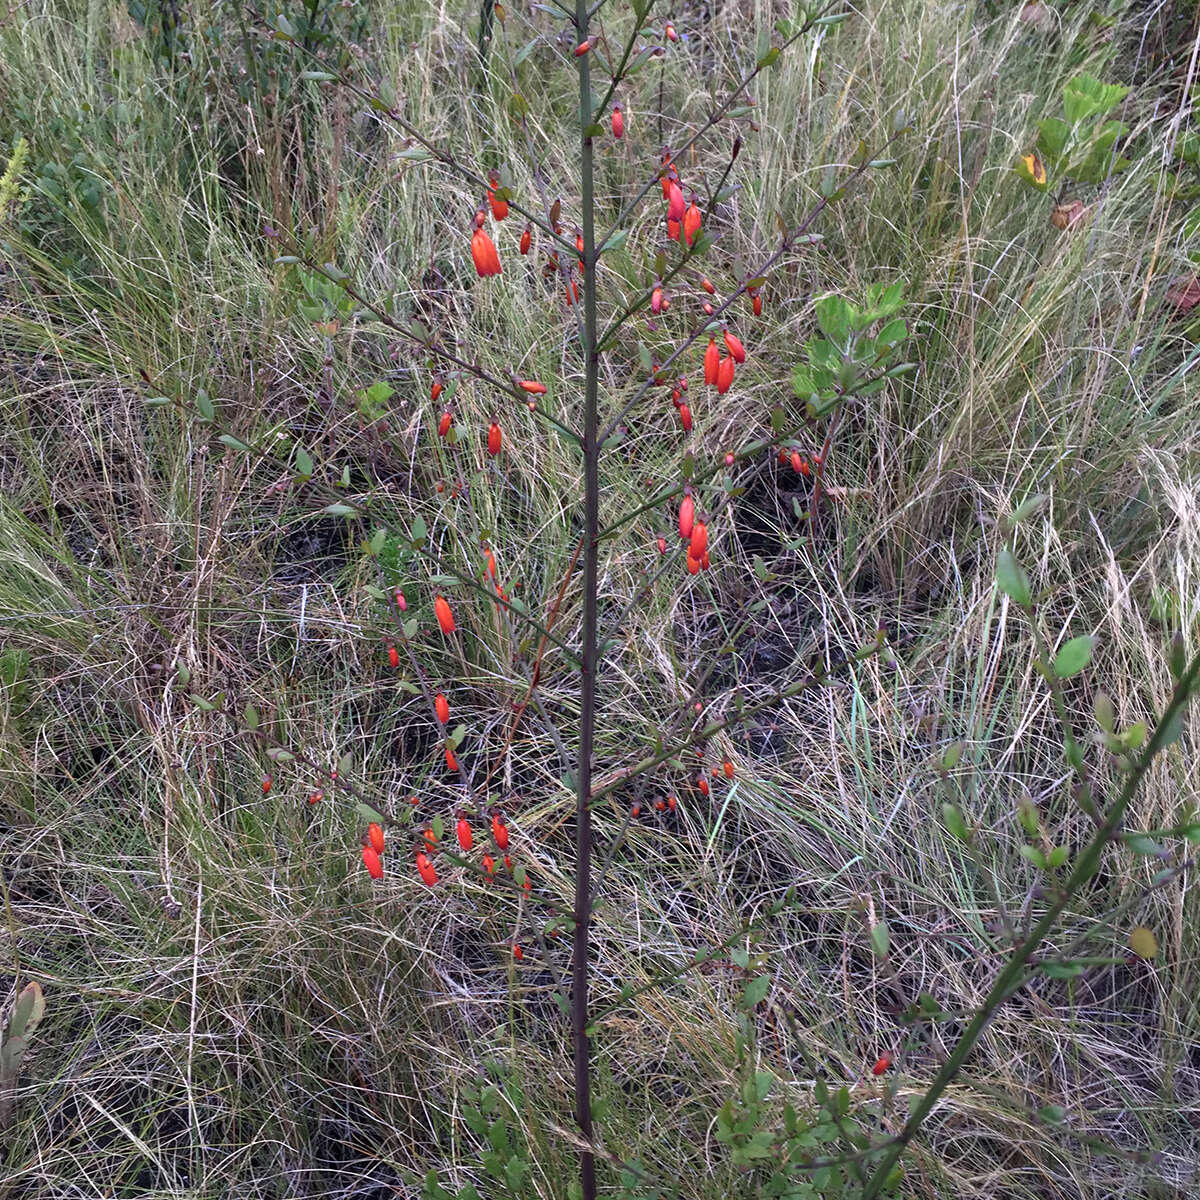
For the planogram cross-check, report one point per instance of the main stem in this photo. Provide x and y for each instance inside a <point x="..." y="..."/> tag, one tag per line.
<point x="591" y="557"/>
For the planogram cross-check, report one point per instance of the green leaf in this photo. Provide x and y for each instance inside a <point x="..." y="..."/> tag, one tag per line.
<point x="1012" y="580"/>
<point x="182" y="674"/>
<point x="204" y="406"/>
<point x="955" y="822"/>
<point x="1052" y="1114"/>
<point x="367" y="813"/>
<point x="1034" y="855"/>
<point x="756" y="991"/>
<point x="250" y="716"/>
<point x="304" y="463"/>
<point x="880" y="940"/>
<point x="769" y="58"/>
<point x="834" y="316"/>
<point x="1073" y="657"/>
<point x="156" y="401"/>
<point x="340" y="510"/>
<point x="1063" y="970"/>
<point x="227" y="439"/>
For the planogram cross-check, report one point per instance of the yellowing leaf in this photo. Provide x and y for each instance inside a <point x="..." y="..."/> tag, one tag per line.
<point x="1143" y="942"/>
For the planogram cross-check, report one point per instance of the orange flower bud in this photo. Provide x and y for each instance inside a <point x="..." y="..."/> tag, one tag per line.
<point x="712" y="362"/>
<point x="526" y="239"/>
<point x="735" y="347"/>
<point x="881" y="1064"/>
<point x="582" y="49"/>
<point x="436" y="390"/>
<point x="462" y="831"/>
<point x="493" y="438"/>
<point x="725" y="375"/>
<point x="483" y="251"/>
<point x="708" y="287"/>
<point x="445" y="618"/>
<point x="426" y="871"/>
<point x="371" y="861"/>
<point x="442" y="705"/>
<point x="451" y="761"/>
<point x="727" y="767"/>
<point x="662" y="545"/>
<point x="500" y="832"/>
<point x="532" y="387"/>
<point x="618" y="122"/>
<point x="691" y="223"/>
<point x="702" y="784"/>
<point x="673" y="230"/>
<point x="266" y="784"/>
<point x="393" y="657"/>
<point x="674" y="202"/>
<point x="693" y="565"/>
<point x="499" y="207"/>
<point x="444" y="423"/>
<point x="656" y="299"/>
<point x="757" y="304"/>
<point x="685" y="418"/>
<point x="698" y="542"/>
<point x="687" y="517"/>
<point x="375" y="837"/>
<point x="489" y="864"/>
<point x="672" y="36"/>
<point x="316" y="797"/>
<point x="518" y="953"/>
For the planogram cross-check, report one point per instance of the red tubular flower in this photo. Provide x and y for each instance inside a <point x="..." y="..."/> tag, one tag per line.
<point x="500" y="832"/>
<point x="371" y="861"/>
<point x="618" y="122"/>
<point x="526" y="239"/>
<point x="442" y="706"/>
<point x="756" y="304"/>
<point x="483" y="251"/>
<point x="489" y="864"/>
<point x="725" y="375"/>
<point x="445" y="618"/>
<point x="698" y="543"/>
<point x="444" y="423"/>
<point x="499" y="207"/>
<point x="426" y="871"/>
<point x="685" y="418"/>
<point x="451" y="761"/>
<point x="532" y="387"/>
<point x="672" y="803"/>
<point x="572" y="293"/>
<point x="691" y="223"/>
<point x="401" y="603"/>
<point x="712" y="362"/>
<point x="702" y="784"/>
<point x="673" y="230"/>
<point x="735" y="347"/>
<point x="462" y="831"/>
<point x="708" y="287"/>
<point x="493" y="438"/>
<point x="727" y="767"/>
<point x="316" y="797"/>
<point x="375" y="837"/>
<point x="687" y="517"/>
<point x="266" y="784"/>
<point x="693" y="565"/>
<point x="393" y="657"/>
<point x="704" y="561"/>
<point x="662" y="545"/>
<point x="672" y="36"/>
<point x="518" y="953"/>
<point x="436" y="390"/>
<point x="656" y="299"/>
<point x="881" y="1064"/>
<point x="582" y="49"/>
<point x="490" y="561"/>
<point x="675" y="208"/>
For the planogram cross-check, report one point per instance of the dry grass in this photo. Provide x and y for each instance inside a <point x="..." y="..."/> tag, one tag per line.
<point x="232" y="1010"/>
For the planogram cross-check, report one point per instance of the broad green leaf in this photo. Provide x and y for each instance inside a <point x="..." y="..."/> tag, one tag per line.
<point x="1011" y="578"/>
<point x="1073" y="657"/>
